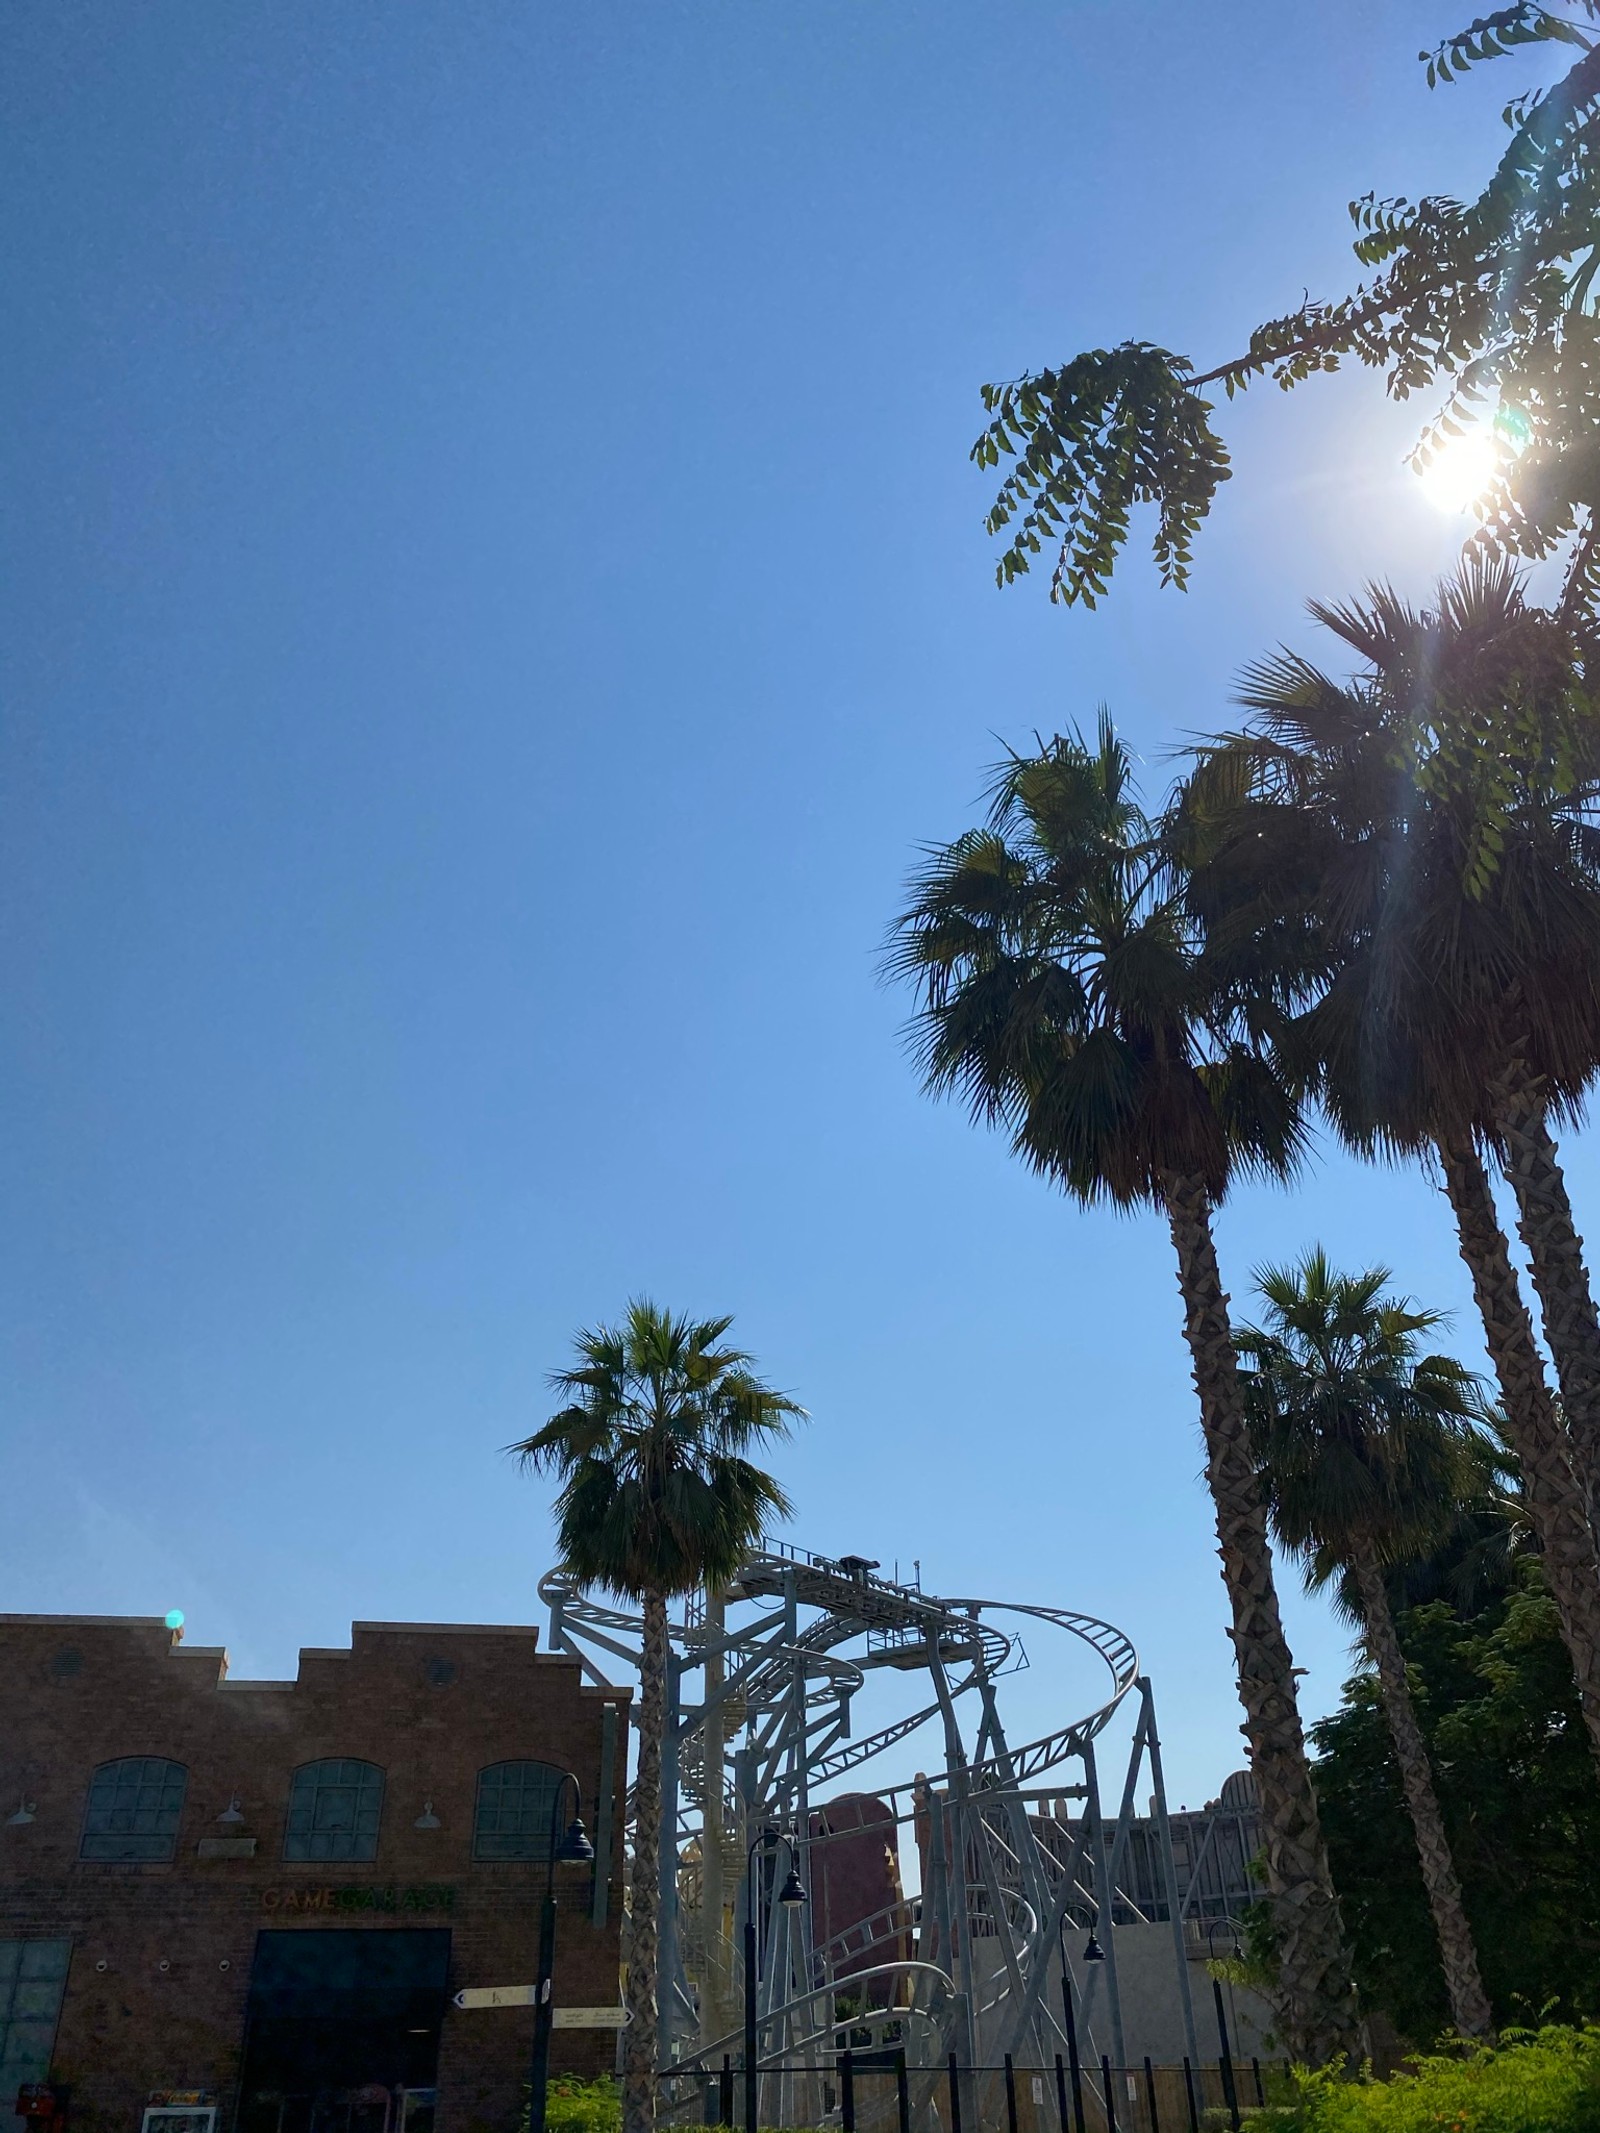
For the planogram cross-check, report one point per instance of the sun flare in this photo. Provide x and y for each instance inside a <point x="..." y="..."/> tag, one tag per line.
<point x="1459" y="473"/>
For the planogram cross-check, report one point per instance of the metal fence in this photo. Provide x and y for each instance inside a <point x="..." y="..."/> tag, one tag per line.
<point x="882" y="2092"/>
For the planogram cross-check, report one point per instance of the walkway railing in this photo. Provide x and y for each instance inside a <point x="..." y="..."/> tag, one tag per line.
<point x="887" y="2091"/>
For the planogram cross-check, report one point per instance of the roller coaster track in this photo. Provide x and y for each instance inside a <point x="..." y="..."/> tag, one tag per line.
<point x="783" y="1684"/>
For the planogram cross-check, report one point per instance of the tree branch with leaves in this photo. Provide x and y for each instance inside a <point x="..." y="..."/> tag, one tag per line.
<point x="1489" y="299"/>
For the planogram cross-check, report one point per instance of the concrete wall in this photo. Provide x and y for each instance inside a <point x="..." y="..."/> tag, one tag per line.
<point x="1152" y="2002"/>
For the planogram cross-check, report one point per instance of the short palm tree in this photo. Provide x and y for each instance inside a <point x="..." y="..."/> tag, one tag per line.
<point x="1476" y="1558"/>
<point x="1417" y="853"/>
<point x="1360" y="1438"/>
<point x="658" y="1498"/>
<point x="1064" y="993"/>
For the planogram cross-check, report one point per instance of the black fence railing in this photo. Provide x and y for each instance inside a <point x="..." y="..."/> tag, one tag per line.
<point x="884" y="2092"/>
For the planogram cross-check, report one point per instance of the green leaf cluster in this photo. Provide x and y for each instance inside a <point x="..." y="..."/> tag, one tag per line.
<point x="1413" y="853"/>
<point x="1367" y="1446"/>
<point x="1499" y="1711"/>
<point x="573" y="2106"/>
<point x="657" y="1496"/>
<point x="1492" y="299"/>
<point x="1066" y="995"/>
<point x="1116" y="427"/>
<point x="1545" y="2081"/>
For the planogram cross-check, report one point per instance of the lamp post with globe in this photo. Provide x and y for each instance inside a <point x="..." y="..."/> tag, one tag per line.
<point x="572" y="1849"/>
<point x="792" y="1893"/>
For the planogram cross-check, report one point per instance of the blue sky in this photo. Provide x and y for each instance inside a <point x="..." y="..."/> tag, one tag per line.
<point x="495" y="597"/>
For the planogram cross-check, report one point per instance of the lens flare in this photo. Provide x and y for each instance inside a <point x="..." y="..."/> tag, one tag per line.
<point x="1459" y="473"/>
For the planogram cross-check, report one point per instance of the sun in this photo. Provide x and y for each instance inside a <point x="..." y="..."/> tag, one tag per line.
<point x="1459" y="472"/>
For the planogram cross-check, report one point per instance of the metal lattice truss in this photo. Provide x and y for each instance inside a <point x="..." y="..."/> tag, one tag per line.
<point x="759" y="1699"/>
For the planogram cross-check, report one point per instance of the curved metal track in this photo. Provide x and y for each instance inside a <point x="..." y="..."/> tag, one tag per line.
<point x="762" y="1683"/>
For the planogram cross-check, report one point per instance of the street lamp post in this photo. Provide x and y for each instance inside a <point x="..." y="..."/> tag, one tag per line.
<point x="572" y="1849"/>
<point x="792" y="1892"/>
<point x="1074" y="2063"/>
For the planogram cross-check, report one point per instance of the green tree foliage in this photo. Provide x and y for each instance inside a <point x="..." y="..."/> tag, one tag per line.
<point x="1499" y="1711"/>
<point x="1546" y="2082"/>
<point x="1363" y="1439"/>
<point x="657" y="1496"/>
<point x="1487" y="301"/>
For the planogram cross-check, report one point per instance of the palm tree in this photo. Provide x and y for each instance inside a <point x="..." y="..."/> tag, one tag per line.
<point x="1416" y="854"/>
<point x="1064" y="993"/>
<point x="657" y="1499"/>
<point x="1474" y="1559"/>
<point x="1360" y="1439"/>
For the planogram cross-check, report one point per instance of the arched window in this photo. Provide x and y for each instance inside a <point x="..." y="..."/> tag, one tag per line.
<point x="514" y="1807"/>
<point x="334" y="1811"/>
<point x="133" y="1811"/>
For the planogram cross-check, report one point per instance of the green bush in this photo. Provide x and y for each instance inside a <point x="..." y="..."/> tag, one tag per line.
<point x="1546" y="2081"/>
<point x="573" y="2106"/>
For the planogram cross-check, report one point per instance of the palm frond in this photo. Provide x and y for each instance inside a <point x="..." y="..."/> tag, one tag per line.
<point x="657" y="1494"/>
<point x="1367" y="1446"/>
<point x="1065" y="994"/>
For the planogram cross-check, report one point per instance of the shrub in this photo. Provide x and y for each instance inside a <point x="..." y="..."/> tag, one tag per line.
<point x="1545" y="2081"/>
<point x="573" y="2106"/>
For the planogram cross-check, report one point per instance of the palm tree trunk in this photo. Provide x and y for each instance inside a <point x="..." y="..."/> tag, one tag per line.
<point x="1314" y="1964"/>
<point x="1555" y="1250"/>
<point x="642" y="2035"/>
<point x="1557" y="1503"/>
<point x="1469" y="2003"/>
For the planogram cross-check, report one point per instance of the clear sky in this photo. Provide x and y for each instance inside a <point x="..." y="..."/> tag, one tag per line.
<point x="494" y="598"/>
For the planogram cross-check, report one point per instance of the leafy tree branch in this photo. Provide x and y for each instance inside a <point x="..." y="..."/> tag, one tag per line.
<point x="1491" y="299"/>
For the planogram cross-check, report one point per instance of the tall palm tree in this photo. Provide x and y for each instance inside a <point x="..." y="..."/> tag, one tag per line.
<point x="1360" y="1439"/>
<point x="1064" y="993"/>
<point x="657" y="1499"/>
<point x="1416" y="852"/>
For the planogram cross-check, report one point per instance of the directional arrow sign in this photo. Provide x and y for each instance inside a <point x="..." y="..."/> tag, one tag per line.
<point x="528" y="1995"/>
<point x="497" y="1996"/>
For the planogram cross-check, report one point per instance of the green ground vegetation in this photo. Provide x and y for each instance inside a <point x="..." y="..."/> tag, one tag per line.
<point x="1545" y="2081"/>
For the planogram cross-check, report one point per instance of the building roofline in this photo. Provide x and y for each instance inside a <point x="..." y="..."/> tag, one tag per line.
<point x="217" y="1654"/>
<point x="94" y="1621"/>
<point x="453" y="1629"/>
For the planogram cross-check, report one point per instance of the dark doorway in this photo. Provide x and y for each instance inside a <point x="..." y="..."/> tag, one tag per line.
<point x="342" y="2033"/>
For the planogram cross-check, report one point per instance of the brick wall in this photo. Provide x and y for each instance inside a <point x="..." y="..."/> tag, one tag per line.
<point x="161" y="1958"/>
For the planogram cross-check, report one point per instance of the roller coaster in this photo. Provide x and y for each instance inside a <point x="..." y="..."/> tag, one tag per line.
<point x="988" y="1956"/>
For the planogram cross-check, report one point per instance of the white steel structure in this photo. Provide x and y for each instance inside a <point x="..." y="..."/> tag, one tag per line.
<point x="1020" y="1857"/>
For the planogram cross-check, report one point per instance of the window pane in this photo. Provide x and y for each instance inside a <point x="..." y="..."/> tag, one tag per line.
<point x="32" y="1979"/>
<point x="25" y="2054"/>
<point x="134" y="1809"/>
<point x="334" y="1811"/>
<point x="515" y="1802"/>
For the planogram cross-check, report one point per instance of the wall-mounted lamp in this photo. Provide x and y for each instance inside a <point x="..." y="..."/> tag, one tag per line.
<point x="23" y="1815"/>
<point x="427" y="1819"/>
<point x="231" y="1813"/>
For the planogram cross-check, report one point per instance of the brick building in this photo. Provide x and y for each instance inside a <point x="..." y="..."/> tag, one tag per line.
<point x="268" y="1891"/>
